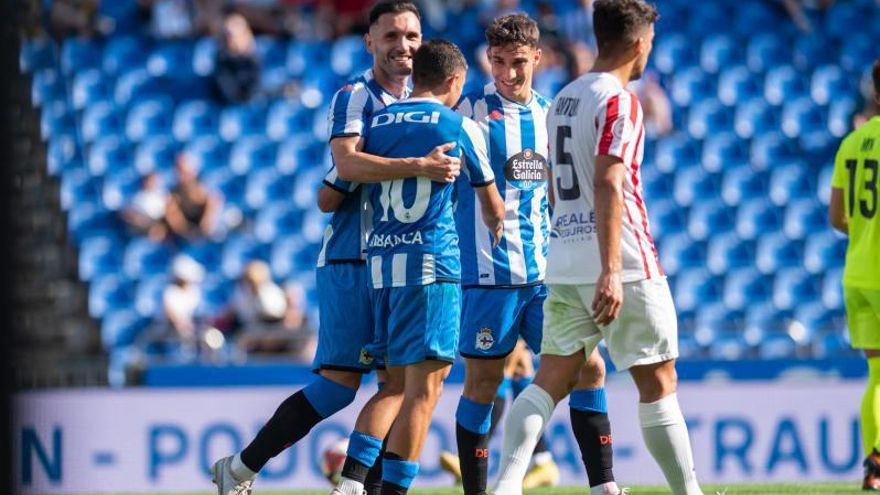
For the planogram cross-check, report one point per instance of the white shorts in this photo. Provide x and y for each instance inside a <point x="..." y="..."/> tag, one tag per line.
<point x="645" y="332"/>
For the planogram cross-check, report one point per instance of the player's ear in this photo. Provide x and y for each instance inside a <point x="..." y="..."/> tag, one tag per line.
<point x="368" y="42"/>
<point x="538" y="54"/>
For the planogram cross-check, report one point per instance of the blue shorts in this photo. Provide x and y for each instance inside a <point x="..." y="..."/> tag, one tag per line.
<point x="492" y="319"/>
<point x="417" y="323"/>
<point x="346" y="318"/>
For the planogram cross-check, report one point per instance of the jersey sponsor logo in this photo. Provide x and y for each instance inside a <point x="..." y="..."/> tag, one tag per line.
<point x="365" y="357"/>
<point x="496" y="115"/>
<point x="416" y="117"/>
<point x="394" y="240"/>
<point x="347" y="87"/>
<point x="485" y="340"/>
<point x="573" y="226"/>
<point x="526" y="170"/>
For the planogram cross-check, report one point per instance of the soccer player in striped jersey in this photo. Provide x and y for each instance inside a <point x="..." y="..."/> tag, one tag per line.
<point x="853" y="210"/>
<point x="604" y="278"/>
<point x="503" y="286"/>
<point x="414" y="262"/>
<point x="346" y="325"/>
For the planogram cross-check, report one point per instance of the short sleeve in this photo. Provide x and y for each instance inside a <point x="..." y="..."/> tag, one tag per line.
<point x="333" y="181"/>
<point x="465" y="107"/>
<point x="348" y="111"/>
<point x="838" y="178"/>
<point x="475" y="154"/>
<point x="616" y="120"/>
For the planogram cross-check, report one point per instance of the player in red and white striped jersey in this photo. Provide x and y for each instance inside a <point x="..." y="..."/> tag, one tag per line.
<point x="602" y="269"/>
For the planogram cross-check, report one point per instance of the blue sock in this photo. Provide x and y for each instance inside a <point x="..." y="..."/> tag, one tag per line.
<point x="474" y="417"/>
<point x="503" y="388"/>
<point x="328" y="397"/>
<point x="364" y="448"/>
<point x="520" y="384"/>
<point x="400" y="472"/>
<point x="589" y="400"/>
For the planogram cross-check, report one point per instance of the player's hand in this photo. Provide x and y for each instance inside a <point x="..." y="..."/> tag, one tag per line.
<point x="497" y="233"/>
<point x="609" y="297"/>
<point x="438" y="166"/>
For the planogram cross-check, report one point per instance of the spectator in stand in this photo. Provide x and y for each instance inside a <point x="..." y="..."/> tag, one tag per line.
<point x="176" y="19"/>
<point x="296" y="321"/>
<point x="237" y="69"/>
<point x="582" y="59"/>
<point x="576" y="25"/>
<point x="192" y="210"/>
<point x="656" y="106"/>
<point x="146" y="212"/>
<point x="75" y="18"/>
<point x="178" y="325"/>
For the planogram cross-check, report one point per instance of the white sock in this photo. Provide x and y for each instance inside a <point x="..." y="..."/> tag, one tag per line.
<point x="609" y="488"/>
<point x="239" y="470"/>
<point x="666" y="437"/>
<point x="525" y="423"/>
<point x="350" y="487"/>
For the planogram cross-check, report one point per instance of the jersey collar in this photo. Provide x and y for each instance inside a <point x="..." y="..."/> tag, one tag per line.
<point x="492" y="89"/>
<point x="379" y="92"/>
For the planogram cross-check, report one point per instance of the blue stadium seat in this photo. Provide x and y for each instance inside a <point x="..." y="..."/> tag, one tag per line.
<point x="172" y="59"/>
<point x="207" y="152"/>
<point x="77" y="187"/>
<point x="286" y="118"/>
<point x="204" y="56"/>
<point x="718" y="51"/>
<point x="823" y="191"/>
<point x="124" y="53"/>
<point x="207" y="253"/>
<point x="818" y="145"/>
<point x="814" y="49"/>
<point x="78" y="54"/>
<point x="755" y="217"/>
<point x="709" y="218"/>
<point x="227" y="183"/>
<point x="305" y="189"/>
<point x="742" y="183"/>
<point x="347" y="56"/>
<point x="265" y="186"/>
<point x="770" y="148"/>
<point x="766" y="51"/>
<point x="694" y="288"/>
<point x="715" y="321"/>
<point x="194" y="118"/>
<point x="121" y="327"/>
<point x="729" y="348"/>
<point x="792" y="286"/>
<point x="778" y="346"/>
<point x="149" y="117"/>
<point x="242" y="121"/>
<point x="707" y="117"/>
<point x="746" y="287"/>
<point x="688" y="348"/>
<point x="657" y="185"/>
<point x="763" y="319"/>
<point x="283" y="256"/>
<point x="98" y="256"/>
<point x="301" y="55"/>
<point x="88" y="87"/>
<point x="824" y="250"/>
<point x="723" y="150"/>
<point x="57" y="119"/>
<point x="137" y="83"/>
<point x="754" y="117"/>
<point x="47" y="86"/>
<point x="275" y="219"/>
<point x="803" y="218"/>
<point x="784" y="83"/>
<point x="672" y="53"/>
<point x="726" y="251"/>
<point x="790" y="180"/>
<point x="757" y="17"/>
<point x="155" y="154"/>
<point x="828" y="82"/>
<point x="859" y="51"/>
<point x="737" y="84"/>
<point x="832" y="289"/>
<point x="666" y="217"/>
<point x="842" y="17"/>
<point x="145" y="257"/>
<point x="691" y="85"/>
<point x="840" y="113"/>
<point x="675" y="151"/>
<point x="216" y="294"/>
<point x="37" y="54"/>
<point x="100" y="120"/>
<point x="108" y="293"/>
<point x="148" y="295"/>
<point x="802" y="116"/>
<point x="694" y="184"/>
<point x="63" y="153"/>
<point x="119" y="187"/>
<point x="107" y="153"/>
<point x="238" y="251"/>
<point x="812" y="318"/>
<point x="271" y="51"/>
<point x="833" y="344"/>
<point x="124" y="15"/>
<point x="776" y="251"/>
<point x="251" y="153"/>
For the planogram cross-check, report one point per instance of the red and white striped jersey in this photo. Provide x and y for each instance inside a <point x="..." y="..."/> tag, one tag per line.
<point x="595" y="115"/>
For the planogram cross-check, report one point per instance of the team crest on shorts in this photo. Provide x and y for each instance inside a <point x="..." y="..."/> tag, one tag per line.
<point x="365" y="358"/>
<point x="485" y="340"/>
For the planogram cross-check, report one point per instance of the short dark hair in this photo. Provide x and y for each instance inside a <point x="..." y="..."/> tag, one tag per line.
<point x="617" y="23"/>
<point x="392" y="7"/>
<point x="517" y="29"/>
<point x="875" y="75"/>
<point x="435" y="61"/>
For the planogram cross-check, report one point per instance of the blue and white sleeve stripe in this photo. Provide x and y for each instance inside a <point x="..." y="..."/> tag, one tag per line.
<point x="465" y="107"/>
<point x="475" y="154"/>
<point x="347" y="111"/>
<point x="333" y="181"/>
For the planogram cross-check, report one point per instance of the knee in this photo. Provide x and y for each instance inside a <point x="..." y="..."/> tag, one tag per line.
<point x="593" y="372"/>
<point x="482" y="387"/>
<point x="348" y="379"/>
<point x="657" y="384"/>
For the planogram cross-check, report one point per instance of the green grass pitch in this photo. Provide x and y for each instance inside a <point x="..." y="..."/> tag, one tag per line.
<point x="777" y="489"/>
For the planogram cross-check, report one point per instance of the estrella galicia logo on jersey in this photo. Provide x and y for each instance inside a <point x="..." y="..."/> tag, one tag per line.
<point x="485" y="340"/>
<point x="416" y="117"/>
<point x="365" y="358"/>
<point x="394" y="240"/>
<point x="526" y="170"/>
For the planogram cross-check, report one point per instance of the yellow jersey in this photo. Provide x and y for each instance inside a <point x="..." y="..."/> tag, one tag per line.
<point x="857" y="173"/>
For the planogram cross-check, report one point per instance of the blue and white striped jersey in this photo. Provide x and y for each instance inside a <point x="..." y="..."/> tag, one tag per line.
<point x="518" y="152"/>
<point x="414" y="239"/>
<point x="352" y="106"/>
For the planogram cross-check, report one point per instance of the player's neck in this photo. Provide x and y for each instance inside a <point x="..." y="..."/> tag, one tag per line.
<point x="418" y="92"/>
<point x="396" y="85"/>
<point x="523" y="98"/>
<point x="622" y="71"/>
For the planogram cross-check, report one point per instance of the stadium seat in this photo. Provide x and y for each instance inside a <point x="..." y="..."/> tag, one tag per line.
<point x="124" y="53"/>
<point x="736" y="84"/>
<point x="707" y="117"/>
<point x="216" y="294"/>
<point x="238" y="251"/>
<point x="770" y="148"/>
<point x="791" y="286"/>
<point x="286" y="118"/>
<point x="88" y="87"/>
<point x="251" y="153"/>
<point x="656" y="185"/>
<point x="694" y="184"/>
<point x="723" y="150"/>
<point x="63" y="153"/>
<point x="715" y="321"/>
<point x="265" y="186"/>
<point x="145" y="257"/>
<point x="37" y="54"/>
<point x="726" y="251"/>
<point x="667" y="218"/>
<point x="824" y="250"/>
<point x="78" y="54"/>
<point x="347" y="56"/>
<point x="194" y="118"/>
<point x="833" y="344"/>
<point x="840" y="113"/>
<point x="148" y="295"/>
<point x="204" y="56"/>
<point x="173" y="59"/>
<point x="742" y="183"/>
<point x="242" y="121"/>
<point x="782" y="84"/>
<point x="123" y="14"/>
<point x="688" y="348"/>
<point x="155" y="154"/>
<point x="207" y="153"/>
<point x="859" y="51"/>
<point x="812" y="50"/>
<point x="710" y="217"/>
<point x="832" y="289"/>
<point x="757" y="17"/>
<point x="828" y="82"/>
<point x="283" y="256"/>
<point x="754" y="117"/>
<point x="301" y="55"/>
<point x="305" y="189"/>
<point x="802" y="116"/>
<point x="803" y="218"/>
<point x="137" y="83"/>
<point x="110" y="292"/>
<point x="271" y="52"/>
<point x="676" y="151"/>
<point x="767" y="50"/>
<point x="227" y="183"/>
<point x="149" y="117"/>
<point x="755" y="217"/>
<point x="789" y="181"/>
<point x="78" y="187"/>
<point x="98" y="256"/>
<point x="275" y="219"/>
<point x="107" y="153"/>
<point x="691" y="85"/>
<point x="47" y="85"/>
<point x="842" y="17"/>
<point x="718" y="51"/>
<point x="775" y="251"/>
<point x="206" y="252"/>
<point x="813" y="318"/>
<point x="778" y="346"/>
<point x="121" y="327"/>
<point x="57" y="119"/>
<point x="99" y="120"/>
<point x="729" y="348"/>
<point x="745" y="287"/>
<point x="694" y="288"/>
<point x="119" y="187"/>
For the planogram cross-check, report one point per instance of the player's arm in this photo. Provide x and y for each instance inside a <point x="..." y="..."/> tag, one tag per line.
<point x="333" y="191"/>
<point x="836" y="211"/>
<point x="475" y="153"/>
<point x="608" y="197"/>
<point x="357" y="166"/>
<point x="492" y="210"/>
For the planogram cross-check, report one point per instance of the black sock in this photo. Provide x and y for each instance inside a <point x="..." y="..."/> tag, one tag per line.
<point x="292" y="420"/>
<point x="497" y="411"/>
<point x="473" y="455"/>
<point x="593" y="433"/>
<point x="373" y="482"/>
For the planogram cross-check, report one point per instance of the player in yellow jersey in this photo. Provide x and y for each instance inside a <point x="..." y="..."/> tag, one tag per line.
<point x="854" y="211"/>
